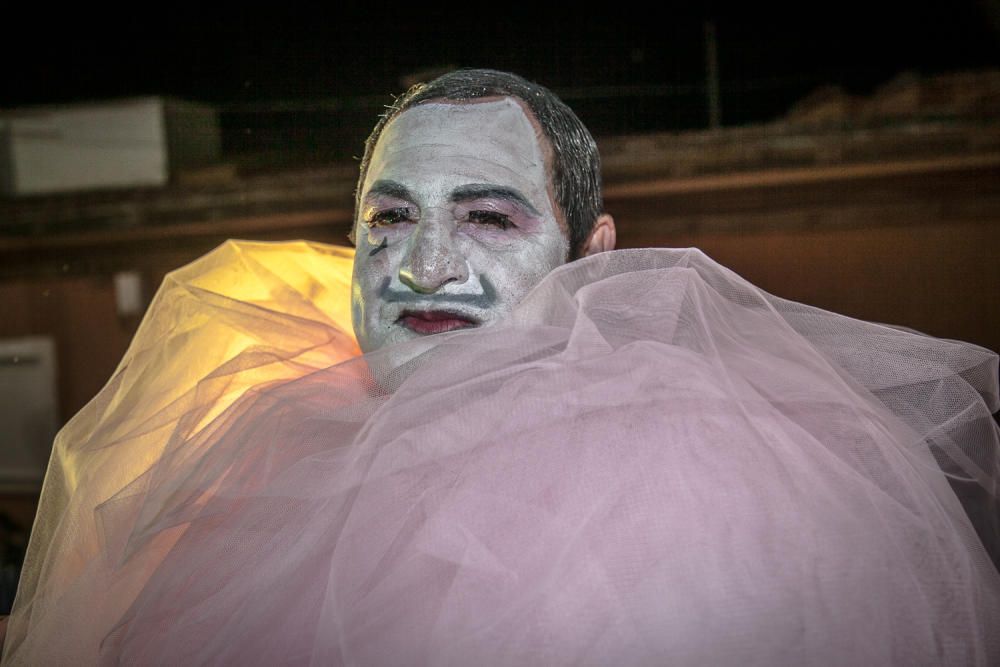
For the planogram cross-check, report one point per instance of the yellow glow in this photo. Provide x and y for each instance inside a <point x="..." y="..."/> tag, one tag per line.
<point x="247" y="314"/>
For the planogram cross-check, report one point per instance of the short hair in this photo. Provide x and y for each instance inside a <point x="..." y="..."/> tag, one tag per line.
<point x="576" y="165"/>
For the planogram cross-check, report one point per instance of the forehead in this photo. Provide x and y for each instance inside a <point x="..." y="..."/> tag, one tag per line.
<point x="486" y="141"/>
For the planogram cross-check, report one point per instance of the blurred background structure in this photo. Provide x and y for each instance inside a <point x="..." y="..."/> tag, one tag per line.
<point x="847" y="156"/>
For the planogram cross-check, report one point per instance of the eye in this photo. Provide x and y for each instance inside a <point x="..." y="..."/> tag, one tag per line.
<point x="492" y="218"/>
<point x="390" y="216"/>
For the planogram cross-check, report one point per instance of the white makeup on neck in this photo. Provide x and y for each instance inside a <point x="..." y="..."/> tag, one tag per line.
<point x="456" y="221"/>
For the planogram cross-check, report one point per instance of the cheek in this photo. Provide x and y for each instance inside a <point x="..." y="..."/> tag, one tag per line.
<point x="374" y="259"/>
<point x="513" y="283"/>
<point x="370" y="273"/>
<point x="516" y="272"/>
<point x="390" y="234"/>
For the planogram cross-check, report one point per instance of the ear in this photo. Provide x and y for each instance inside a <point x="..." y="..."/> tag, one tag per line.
<point x="602" y="236"/>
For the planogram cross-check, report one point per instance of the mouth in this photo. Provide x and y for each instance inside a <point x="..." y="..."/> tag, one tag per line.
<point x="435" y="321"/>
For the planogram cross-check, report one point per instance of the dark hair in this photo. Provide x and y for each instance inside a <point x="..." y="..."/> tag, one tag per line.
<point x="576" y="164"/>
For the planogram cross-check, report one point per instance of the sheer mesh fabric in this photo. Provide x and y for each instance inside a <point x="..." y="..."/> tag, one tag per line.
<point x="651" y="461"/>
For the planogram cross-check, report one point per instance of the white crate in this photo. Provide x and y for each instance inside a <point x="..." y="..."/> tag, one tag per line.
<point x="28" y="411"/>
<point x="122" y="144"/>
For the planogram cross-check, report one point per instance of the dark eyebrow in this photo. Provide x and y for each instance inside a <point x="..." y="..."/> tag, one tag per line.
<point x="474" y="191"/>
<point x="390" y="189"/>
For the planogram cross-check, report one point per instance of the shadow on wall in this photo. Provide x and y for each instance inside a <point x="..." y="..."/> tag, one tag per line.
<point x="13" y="542"/>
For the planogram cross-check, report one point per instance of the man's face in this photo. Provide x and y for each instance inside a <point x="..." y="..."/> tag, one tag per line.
<point x="456" y="221"/>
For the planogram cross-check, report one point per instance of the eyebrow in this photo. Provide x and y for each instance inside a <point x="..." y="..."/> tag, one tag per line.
<point x="474" y="191"/>
<point x="390" y="188"/>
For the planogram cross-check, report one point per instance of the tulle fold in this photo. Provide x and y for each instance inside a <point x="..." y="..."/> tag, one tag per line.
<point x="651" y="461"/>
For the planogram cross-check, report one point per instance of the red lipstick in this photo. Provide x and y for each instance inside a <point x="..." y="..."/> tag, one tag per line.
<point x="434" y="321"/>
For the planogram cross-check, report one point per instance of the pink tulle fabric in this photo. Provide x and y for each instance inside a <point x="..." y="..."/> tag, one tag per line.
<point x="650" y="462"/>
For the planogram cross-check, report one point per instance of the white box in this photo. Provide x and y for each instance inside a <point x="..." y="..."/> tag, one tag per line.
<point x="28" y="411"/>
<point x="121" y="144"/>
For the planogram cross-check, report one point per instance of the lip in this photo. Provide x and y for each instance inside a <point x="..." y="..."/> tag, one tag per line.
<point x="435" y="321"/>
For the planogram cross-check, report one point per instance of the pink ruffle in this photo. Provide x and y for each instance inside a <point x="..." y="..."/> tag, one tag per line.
<point x="650" y="462"/>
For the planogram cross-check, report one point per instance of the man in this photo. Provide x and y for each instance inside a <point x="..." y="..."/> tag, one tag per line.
<point x="472" y="189"/>
<point x="643" y="459"/>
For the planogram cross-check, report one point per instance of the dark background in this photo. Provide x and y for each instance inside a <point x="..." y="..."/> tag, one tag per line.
<point x="622" y="69"/>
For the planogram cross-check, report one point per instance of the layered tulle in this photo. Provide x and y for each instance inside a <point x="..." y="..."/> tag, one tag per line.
<point x="649" y="462"/>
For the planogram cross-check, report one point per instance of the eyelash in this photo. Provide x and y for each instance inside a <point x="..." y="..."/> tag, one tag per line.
<point x="491" y="218"/>
<point x="390" y="216"/>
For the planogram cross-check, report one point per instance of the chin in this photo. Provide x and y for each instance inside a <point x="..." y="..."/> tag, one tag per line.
<point x="393" y="359"/>
<point x="391" y="336"/>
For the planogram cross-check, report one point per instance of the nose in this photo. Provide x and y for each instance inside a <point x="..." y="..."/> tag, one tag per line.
<point x="432" y="260"/>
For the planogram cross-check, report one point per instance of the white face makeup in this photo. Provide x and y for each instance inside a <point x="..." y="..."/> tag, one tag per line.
<point x="456" y="223"/>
